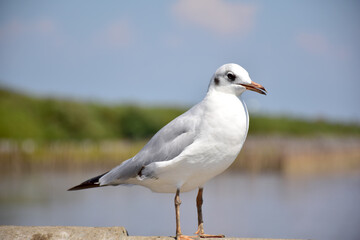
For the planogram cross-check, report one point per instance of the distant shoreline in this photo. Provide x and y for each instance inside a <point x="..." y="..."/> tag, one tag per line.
<point x="288" y="155"/>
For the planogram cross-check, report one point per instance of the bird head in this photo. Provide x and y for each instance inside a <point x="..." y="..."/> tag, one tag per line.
<point x="232" y="78"/>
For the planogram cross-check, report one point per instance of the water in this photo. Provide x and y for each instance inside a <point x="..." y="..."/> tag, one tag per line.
<point x="237" y="205"/>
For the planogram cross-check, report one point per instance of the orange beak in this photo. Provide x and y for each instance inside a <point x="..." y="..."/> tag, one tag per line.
<point x="255" y="87"/>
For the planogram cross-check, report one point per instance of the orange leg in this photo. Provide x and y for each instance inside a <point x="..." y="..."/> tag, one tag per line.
<point x="177" y="212"/>
<point x="177" y="201"/>
<point x="200" y="231"/>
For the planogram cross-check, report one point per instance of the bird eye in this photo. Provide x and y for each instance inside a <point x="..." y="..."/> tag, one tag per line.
<point x="231" y="76"/>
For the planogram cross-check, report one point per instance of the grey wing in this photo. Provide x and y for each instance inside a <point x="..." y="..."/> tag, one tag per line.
<point x="165" y="145"/>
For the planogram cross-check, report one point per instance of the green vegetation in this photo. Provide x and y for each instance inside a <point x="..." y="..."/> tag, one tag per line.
<point x="283" y="125"/>
<point x="23" y="116"/>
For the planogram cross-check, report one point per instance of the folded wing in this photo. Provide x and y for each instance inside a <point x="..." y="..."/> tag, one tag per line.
<point x="166" y="144"/>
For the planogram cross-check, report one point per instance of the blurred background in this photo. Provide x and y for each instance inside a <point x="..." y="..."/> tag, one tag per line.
<point x="84" y="85"/>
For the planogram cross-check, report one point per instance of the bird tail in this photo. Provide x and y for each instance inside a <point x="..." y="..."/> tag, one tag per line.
<point x="90" y="183"/>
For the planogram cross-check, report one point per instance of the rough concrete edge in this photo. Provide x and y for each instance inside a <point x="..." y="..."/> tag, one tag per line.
<point x="60" y="232"/>
<point x="10" y="232"/>
<point x="197" y="238"/>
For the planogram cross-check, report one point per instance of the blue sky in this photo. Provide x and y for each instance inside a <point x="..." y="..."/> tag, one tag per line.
<point x="306" y="53"/>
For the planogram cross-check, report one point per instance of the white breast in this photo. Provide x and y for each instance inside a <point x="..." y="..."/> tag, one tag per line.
<point x="220" y="137"/>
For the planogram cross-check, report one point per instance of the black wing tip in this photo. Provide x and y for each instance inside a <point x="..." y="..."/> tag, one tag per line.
<point x="83" y="186"/>
<point x="90" y="183"/>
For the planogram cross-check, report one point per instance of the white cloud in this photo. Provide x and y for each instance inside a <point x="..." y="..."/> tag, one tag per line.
<point x="318" y="44"/>
<point x="314" y="43"/>
<point x="173" y="41"/>
<point x="117" y="34"/>
<point x="43" y="30"/>
<point x="220" y="17"/>
<point x="16" y="28"/>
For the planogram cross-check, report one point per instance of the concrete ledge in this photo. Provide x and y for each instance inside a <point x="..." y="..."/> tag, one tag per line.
<point x="172" y="238"/>
<point x="77" y="233"/>
<point x="58" y="232"/>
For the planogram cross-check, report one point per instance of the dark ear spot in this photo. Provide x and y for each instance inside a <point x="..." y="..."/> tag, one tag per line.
<point x="216" y="81"/>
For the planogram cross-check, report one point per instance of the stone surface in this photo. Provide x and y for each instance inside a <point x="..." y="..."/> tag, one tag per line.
<point x="77" y="233"/>
<point x="59" y="232"/>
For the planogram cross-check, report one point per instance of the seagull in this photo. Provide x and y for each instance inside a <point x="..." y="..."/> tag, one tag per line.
<point x="193" y="148"/>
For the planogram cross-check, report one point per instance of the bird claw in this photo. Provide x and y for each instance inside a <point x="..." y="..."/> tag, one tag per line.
<point x="200" y="233"/>
<point x="185" y="237"/>
<point x="203" y="235"/>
